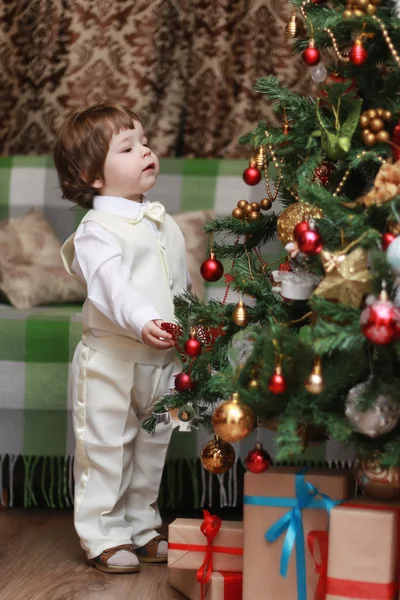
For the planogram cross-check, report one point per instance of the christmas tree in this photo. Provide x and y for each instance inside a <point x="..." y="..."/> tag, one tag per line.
<point x="321" y="330"/>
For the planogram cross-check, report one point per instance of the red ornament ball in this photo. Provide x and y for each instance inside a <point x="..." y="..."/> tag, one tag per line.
<point x="252" y="175"/>
<point x="258" y="460"/>
<point x="396" y="141"/>
<point x="387" y="239"/>
<point x="300" y="228"/>
<point x="311" y="56"/>
<point x="379" y="322"/>
<point x="310" y="242"/>
<point x="193" y="347"/>
<point x="211" y="269"/>
<point x="358" y="54"/>
<point x="277" y="383"/>
<point x="183" y="382"/>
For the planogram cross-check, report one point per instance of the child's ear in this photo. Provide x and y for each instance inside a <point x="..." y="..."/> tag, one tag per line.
<point x="97" y="183"/>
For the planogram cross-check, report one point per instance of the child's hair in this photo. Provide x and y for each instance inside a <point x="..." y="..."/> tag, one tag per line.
<point x="81" y="148"/>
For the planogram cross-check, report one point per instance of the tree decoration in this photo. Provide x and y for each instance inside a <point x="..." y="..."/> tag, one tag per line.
<point x="292" y="28"/>
<point x="387" y="239"/>
<point x="375" y="479"/>
<point x="311" y="55"/>
<point x="240" y="316"/>
<point x="211" y="269"/>
<point x="373" y="126"/>
<point x="292" y="216"/>
<point x="360" y="8"/>
<point x="337" y="144"/>
<point x="217" y="456"/>
<point x="252" y="175"/>
<point x="258" y="460"/>
<point x="358" y="54"/>
<point x="193" y="346"/>
<point x="183" y="382"/>
<point x="310" y="241"/>
<point x="395" y="142"/>
<point x="380" y="319"/>
<point x="233" y="420"/>
<point x="314" y="383"/>
<point x="324" y="172"/>
<point x="319" y="73"/>
<point x="386" y="186"/>
<point x="377" y="420"/>
<point x="277" y="383"/>
<point x="349" y="282"/>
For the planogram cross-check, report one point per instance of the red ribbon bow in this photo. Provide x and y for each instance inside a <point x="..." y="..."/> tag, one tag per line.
<point x="320" y="537"/>
<point x="209" y="528"/>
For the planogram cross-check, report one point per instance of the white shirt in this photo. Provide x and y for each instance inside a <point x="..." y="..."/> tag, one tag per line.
<point x="98" y="261"/>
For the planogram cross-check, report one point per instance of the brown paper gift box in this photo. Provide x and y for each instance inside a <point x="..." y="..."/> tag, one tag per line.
<point x="185" y="582"/>
<point x="362" y="560"/>
<point x="186" y="532"/>
<point x="261" y="559"/>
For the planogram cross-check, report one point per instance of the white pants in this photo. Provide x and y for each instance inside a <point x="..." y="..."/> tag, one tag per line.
<point x="118" y="466"/>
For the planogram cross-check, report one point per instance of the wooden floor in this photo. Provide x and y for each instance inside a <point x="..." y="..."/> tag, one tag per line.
<point x="40" y="559"/>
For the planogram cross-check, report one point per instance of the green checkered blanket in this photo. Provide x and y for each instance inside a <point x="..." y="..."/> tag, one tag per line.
<point x="36" y="346"/>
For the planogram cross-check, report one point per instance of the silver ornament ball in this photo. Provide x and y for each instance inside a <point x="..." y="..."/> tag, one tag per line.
<point x="393" y="256"/>
<point x="319" y="73"/>
<point x="375" y="421"/>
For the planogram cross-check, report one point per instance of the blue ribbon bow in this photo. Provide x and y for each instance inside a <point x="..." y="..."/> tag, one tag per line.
<point x="292" y="523"/>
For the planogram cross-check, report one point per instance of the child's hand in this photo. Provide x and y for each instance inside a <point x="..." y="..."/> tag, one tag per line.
<point x="152" y="333"/>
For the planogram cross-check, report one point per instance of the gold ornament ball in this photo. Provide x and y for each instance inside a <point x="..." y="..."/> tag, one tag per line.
<point x="217" y="456"/>
<point x="347" y="13"/>
<point x="368" y="137"/>
<point x="253" y="384"/>
<point x="361" y="4"/>
<point x="376" y="125"/>
<point x="380" y="112"/>
<point x="233" y="420"/>
<point x="292" y="27"/>
<point x="238" y="213"/>
<point x="371" y="9"/>
<point x="364" y="121"/>
<point x="242" y="203"/>
<point x="255" y="206"/>
<point x="371" y="113"/>
<point x="265" y="203"/>
<point x="253" y="216"/>
<point x="315" y="382"/>
<point x="240" y="316"/>
<point x="247" y="209"/>
<point x="357" y="12"/>
<point x="387" y="115"/>
<point x="382" y="136"/>
<point x="377" y="481"/>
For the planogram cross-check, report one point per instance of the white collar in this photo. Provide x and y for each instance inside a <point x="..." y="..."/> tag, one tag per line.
<point x="120" y="206"/>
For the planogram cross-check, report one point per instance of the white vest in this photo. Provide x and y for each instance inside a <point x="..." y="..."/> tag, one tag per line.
<point x="158" y="271"/>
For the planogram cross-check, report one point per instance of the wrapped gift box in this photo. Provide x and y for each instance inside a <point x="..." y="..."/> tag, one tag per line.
<point x="363" y="551"/>
<point x="187" y="546"/>
<point x="283" y="499"/>
<point x="222" y="585"/>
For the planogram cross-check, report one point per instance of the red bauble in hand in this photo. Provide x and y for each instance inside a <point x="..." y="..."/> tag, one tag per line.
<point x="211" y="269"/>
<point x="310" y="242"/>
<point x="183" y="382"/>
<point x="311" y="55"/>
<point x="358" y="54"/>
<point x="252" y="175"/>
<point x="193" y="346"/>
<point x="300" y="228"/>
<point x="387" y="239"/>
<point x="379" y="322"/>
<point x="258" y="460"/>
<point x="277" y="383"/>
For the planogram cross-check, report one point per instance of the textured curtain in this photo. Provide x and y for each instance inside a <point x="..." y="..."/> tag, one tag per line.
<point x="186" y="66"/>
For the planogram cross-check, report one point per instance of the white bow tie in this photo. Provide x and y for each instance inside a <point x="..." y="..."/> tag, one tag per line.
<point x="154" y="211"/>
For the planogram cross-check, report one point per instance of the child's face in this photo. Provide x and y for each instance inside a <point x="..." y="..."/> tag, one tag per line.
<point x="130" y="168"/>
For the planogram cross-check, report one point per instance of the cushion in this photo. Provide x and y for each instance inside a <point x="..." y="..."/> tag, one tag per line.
<point x="191" y="224"/>
<point x="31" y="268"/>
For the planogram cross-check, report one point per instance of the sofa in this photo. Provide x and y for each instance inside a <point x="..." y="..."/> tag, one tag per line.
<point x="37" y="342"/>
